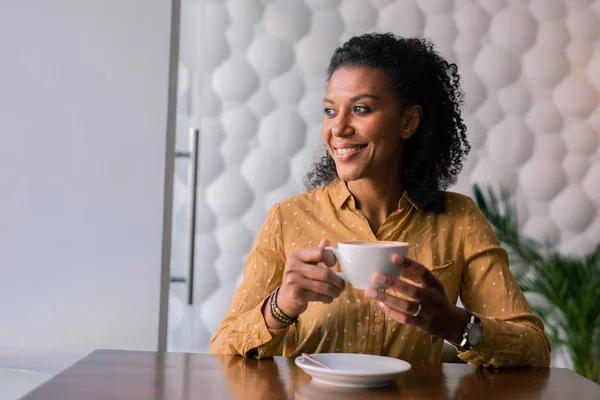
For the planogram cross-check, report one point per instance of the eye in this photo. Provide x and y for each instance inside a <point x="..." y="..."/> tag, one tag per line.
<point x="361" y="109"/>
<point x="329" y="111"/>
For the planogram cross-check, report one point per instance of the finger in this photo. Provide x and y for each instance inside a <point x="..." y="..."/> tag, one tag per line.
<point x="312" y="296"/>
<point x="323" y="274"/>
<point x="328" y="257"/>
<point x="401" y="317"/>
<point x="324" y="243"/>
<point x="319" y="287"/>
<point x="414" y="271"/>
<point x="314" y="255"/>
<point x="405" y="288"/>
<point x="393" y="302"/>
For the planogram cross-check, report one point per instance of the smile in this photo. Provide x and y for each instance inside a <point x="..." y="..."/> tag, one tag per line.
<point x="346" y="153"/>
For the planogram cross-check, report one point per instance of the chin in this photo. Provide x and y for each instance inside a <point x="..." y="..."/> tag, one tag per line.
<point x="349" y="176"/>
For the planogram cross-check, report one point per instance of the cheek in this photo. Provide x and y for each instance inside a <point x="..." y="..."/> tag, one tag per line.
<point x="378" y="128"/>
<point x="325" y="134"/>
<point x="393" y="130"/>
<point x="384" y="135"/>
<point x="387" y="145"/>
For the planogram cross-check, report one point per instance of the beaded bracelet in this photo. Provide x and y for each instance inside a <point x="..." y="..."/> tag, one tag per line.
<point x="276" y="314"/>
<point x="279" y="316"/>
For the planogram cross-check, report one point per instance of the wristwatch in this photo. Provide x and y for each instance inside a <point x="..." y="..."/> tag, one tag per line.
<point x="472" y="333"/>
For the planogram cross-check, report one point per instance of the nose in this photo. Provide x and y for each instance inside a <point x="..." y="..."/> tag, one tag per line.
<point x="341" y="125"/>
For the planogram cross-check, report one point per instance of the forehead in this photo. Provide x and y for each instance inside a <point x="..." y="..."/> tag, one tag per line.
<point x="352" y="81"/>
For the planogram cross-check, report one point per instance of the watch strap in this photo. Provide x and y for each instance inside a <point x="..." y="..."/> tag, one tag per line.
<point x="473" y="321"/>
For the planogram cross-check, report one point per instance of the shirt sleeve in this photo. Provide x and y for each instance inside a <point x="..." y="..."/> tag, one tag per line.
<point x="512" y="334"/>
<point x="244" y="331"/>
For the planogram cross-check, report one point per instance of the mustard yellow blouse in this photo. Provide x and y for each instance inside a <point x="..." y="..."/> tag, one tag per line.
<point x="459" y="247"/>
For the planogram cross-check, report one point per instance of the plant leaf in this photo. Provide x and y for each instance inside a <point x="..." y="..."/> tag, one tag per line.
<point x="569" y="284"/>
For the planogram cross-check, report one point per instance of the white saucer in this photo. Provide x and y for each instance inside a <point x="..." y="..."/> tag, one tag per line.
<point x="353" y="370"/>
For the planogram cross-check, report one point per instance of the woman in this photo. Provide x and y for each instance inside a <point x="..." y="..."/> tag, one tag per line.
<point x="395" y="140"/>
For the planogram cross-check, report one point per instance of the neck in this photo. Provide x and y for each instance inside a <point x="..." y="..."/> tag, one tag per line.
<point x="377" y="198"/>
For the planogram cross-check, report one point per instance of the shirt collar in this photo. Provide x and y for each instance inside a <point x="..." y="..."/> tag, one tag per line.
<point x="405" y="200"/>
<point x="339" y="194"/>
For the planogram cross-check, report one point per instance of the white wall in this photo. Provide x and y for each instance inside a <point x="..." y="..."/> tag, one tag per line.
<point x="84" y="90"/>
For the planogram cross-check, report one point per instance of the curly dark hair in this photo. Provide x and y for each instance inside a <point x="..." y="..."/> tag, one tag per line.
<point x="433" y="156"/>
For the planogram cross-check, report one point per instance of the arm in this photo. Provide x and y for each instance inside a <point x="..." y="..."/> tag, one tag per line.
<point x="244" y="331"/>
<point x="248" y="328"/>
<point x="512" y="335"/>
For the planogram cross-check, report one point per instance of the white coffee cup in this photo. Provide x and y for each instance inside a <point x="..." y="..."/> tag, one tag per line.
<point x="361" y="260"/>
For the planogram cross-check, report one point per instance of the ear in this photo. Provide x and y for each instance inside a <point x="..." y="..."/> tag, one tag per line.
<point x="411" y="121"/>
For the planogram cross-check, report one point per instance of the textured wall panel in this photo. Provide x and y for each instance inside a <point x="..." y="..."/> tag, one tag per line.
<point x="530" y="71"/>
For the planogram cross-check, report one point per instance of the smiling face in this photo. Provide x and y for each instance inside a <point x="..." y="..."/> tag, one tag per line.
<point x="364" y="124"/>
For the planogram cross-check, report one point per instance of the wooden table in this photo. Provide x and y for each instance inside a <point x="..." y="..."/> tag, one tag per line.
<point x="109" y="374"/>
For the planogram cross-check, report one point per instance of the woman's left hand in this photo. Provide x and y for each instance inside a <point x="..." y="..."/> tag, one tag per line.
<point x="430" y="310"/>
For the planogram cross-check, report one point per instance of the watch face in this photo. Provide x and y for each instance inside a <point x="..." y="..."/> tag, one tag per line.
<point x="474" y="336"/>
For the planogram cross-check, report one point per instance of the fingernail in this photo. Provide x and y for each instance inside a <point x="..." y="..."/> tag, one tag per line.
<point x="379" y="278"/>
<point x="399" y="259"/>
<point x="381" y="304"/>
<point x="372" y="293"/>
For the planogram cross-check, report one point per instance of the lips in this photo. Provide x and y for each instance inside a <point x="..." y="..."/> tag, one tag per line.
<point x="345" y="152"/>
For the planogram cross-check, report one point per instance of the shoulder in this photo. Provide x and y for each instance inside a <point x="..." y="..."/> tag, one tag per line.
<point x="464" y="208"/>
<point x="454" y="200"/>
<point x="306" y="201"/>
<point x="459" y="205"/>
<point x="311" y="196"/>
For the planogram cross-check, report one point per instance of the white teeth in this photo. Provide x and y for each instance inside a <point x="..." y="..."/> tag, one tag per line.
<point x="347" y="150"/>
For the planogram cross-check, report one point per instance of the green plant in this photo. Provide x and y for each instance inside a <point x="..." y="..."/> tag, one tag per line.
<point x="569" y="284"/>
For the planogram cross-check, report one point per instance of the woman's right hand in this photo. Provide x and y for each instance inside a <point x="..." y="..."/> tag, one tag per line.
<point x="304" y="280"/>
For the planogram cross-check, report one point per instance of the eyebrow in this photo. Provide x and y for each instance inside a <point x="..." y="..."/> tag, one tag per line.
<point x="355" y="98"/>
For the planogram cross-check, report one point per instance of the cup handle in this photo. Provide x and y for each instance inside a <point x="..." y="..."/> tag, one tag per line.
<point x="336" y="253"/>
